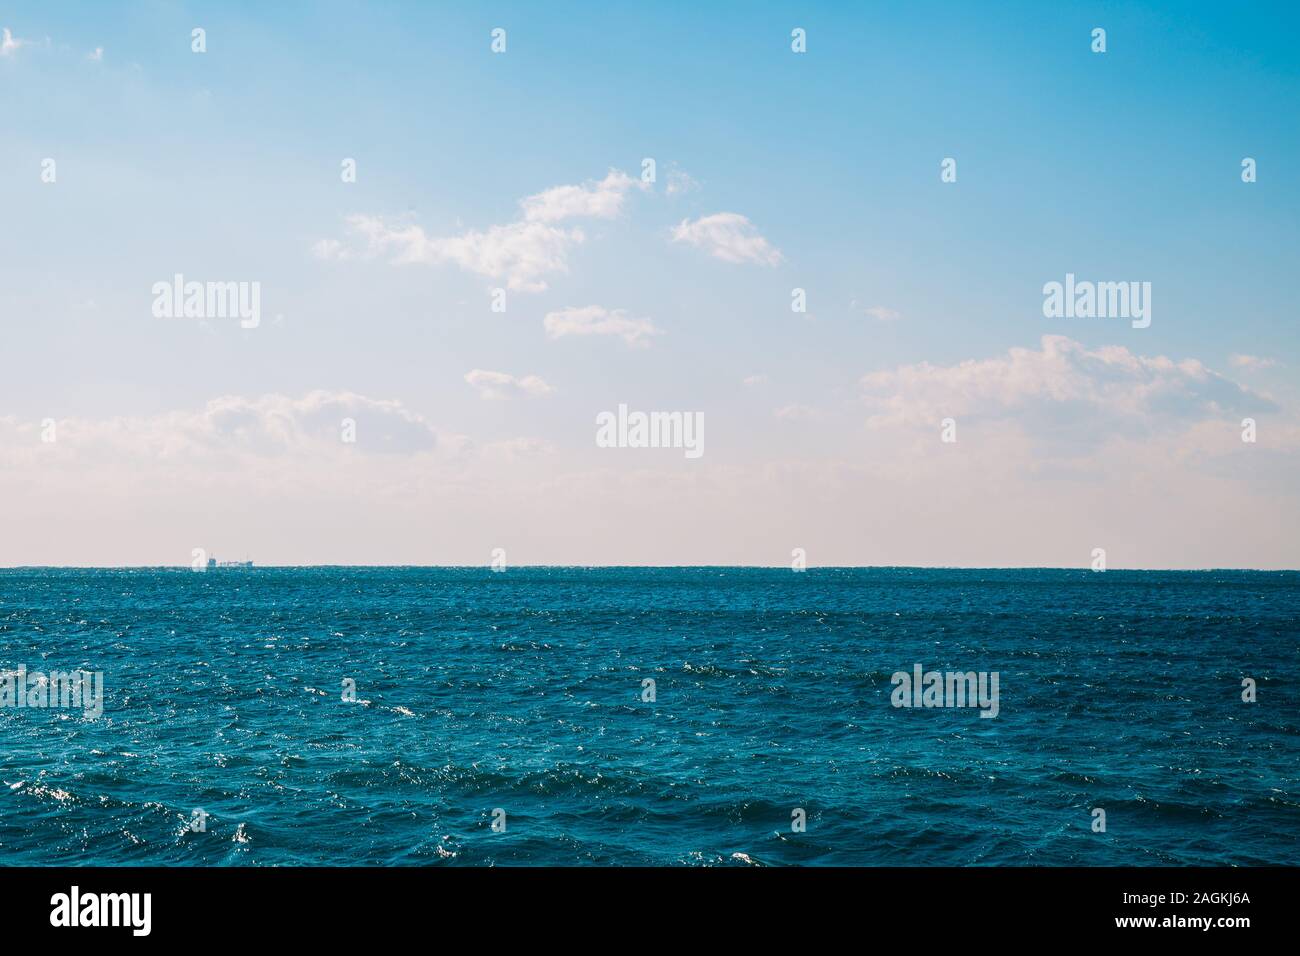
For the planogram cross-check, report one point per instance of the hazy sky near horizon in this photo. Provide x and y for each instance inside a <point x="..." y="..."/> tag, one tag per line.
<point x="522" y="171"/>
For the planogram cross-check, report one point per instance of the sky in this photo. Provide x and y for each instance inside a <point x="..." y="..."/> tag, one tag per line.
<point x="500" y="272"/>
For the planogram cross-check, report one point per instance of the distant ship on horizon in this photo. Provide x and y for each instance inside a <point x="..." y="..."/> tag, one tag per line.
<point x="214" y="563"/>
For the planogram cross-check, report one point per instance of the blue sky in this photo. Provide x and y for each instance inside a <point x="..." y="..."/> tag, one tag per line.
<point x="225" y="166"/>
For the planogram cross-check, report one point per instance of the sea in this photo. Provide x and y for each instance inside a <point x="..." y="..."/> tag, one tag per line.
<point x="404" y="716"/>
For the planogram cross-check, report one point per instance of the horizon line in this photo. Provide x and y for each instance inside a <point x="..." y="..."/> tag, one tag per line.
<point x="638" y="567"/>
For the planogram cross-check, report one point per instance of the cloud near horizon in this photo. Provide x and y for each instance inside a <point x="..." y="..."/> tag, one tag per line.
<point x="229" y="427"/>
<point x="1063" y="384"/>
<point x="270" y="475"/>
<point x="500" y="385"/>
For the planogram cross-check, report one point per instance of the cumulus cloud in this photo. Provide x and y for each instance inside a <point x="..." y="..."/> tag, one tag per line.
<point x="728" y="236"/>
<point x="266" y="426"/>
<point x="1104" y="391"/>
<point x="1251" y="362"/>
<point x="752" y="380"/>
<point x="597" y="320"/>
<point x="521" y="253"/>
<point x="601" y="199"/>
<point x="269" y="477"/>
<point x="500" y="385"/>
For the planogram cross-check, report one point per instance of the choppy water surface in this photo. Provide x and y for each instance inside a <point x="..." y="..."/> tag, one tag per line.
<point x="523" y="691"/>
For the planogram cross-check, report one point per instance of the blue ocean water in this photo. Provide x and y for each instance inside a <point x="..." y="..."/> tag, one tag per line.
<point x="522" y="691"/>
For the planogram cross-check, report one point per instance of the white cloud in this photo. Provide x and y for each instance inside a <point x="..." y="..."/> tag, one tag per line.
<point x="1064" y="386"/>
<point x="597" y="320"/>
<point x="96" y="55"/>
<point x="9" y="43"/>
<point x="752" y="380"/>
<point x="499" y="385"/>
<point x="1251" y="362"/>
<point x="728" y="236"/>
<point x="521" y="254"/>
<point x="797" y="413"/>
<point x="268" y="426"/>
<point x="593" y="200"/>
<point x="882" y="313"/>
<point x="268" y="477"/>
